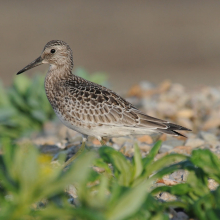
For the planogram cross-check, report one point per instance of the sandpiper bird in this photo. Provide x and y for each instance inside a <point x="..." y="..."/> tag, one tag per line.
<point x="89" y="108"/>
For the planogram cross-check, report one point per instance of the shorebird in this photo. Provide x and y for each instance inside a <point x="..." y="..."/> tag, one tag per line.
<point x="89" y="108"/>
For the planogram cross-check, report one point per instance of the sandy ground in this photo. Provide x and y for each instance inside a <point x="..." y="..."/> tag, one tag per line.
<point x="129" y="40"/>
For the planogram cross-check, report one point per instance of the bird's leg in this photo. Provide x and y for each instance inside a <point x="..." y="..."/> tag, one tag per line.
<point x="102" y="141"/>
<point x="81" y="149"/>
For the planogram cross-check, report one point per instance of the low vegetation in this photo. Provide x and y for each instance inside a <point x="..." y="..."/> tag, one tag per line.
<point x="33" y="187"/>
<point x="99" y="185"/>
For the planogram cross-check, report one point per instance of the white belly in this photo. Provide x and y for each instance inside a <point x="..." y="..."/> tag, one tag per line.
<point x="104" y="130"/>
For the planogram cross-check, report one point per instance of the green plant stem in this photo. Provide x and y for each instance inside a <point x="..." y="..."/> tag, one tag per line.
<point x="81" y="149"/>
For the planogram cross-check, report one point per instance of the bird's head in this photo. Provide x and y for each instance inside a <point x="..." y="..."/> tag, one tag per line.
<point x="57" y="53"/>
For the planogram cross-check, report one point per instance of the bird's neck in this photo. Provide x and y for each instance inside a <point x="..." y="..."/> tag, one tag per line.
<point x="58" y="73"/>
<point x="55" y="78"/>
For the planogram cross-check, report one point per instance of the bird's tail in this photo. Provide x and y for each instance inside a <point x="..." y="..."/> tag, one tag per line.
<point x="172" y="129"/>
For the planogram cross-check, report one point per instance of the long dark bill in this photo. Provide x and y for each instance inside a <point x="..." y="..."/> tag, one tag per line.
<point x="31" y="65"/>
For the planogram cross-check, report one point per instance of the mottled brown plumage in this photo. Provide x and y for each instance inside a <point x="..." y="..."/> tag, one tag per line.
<point x="89" y="108"/>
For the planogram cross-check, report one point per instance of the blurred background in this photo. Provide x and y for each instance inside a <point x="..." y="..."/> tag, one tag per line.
<point x="141" y="43"/>
<point x="129" y="40"/>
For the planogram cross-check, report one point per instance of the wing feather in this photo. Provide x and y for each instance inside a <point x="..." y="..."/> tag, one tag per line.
<point x="99" y="105"/>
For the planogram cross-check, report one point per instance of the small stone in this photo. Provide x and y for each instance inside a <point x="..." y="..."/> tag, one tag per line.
<point x="182" y="137"/>
<point x="145" y="85"/>
<point x="212" y="184"/>
<point x="160" y="155"/>
<point x="167" y="109"/>
<point x="174" y="142"/>
<point x="116" y="147"/>
<point x="217" y="150"/>
<point x="146" y="138"/>
<point x="71" y="190"/>
<point x="185" y="113"/>
<point x="167" y="197"/>
<point x="96" y="142"/>
<point x="145" y="148"/>
<point x="64" y="132"/>
<point x="210" y="138"/>
<point x="121" y="140"/>
<point x="128" y="149"/>
<point x="163" y="137"/>
<point x="135" y="91"/>
<point x="211" y="123"/>
<point x="167" y="182"/>
<point x="180" y="216"/>
<point x="194" y="142"/>
<point x="49" y="149"/>
<point x="99" y="169"/>
<point x="182" y="150"/>
<point x="165" y="148"/>
<point x="62" y="145"/>
<point x="179" y="175"/>
<point x="45" y="141"/>
<point x="164" y="86"/>
<point x="49" y="128"/>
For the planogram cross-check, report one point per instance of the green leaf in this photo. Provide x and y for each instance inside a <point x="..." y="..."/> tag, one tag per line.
<point x="39" y="115"/>
<point x="198" y="182"/>
<point x="81" y="72"/>
<point x="6" y="113"/>
<point x="99" y="78"/>
<point x="163" y="162"/>
<point x="73" y="174"/>
<point x="138" y="165"/>
<point x="129" y="203"/>
<point x="179" y="189"/>
<point x="152" y="154"/>
<point x="21" y="84"/>
<point x="207" y="161"/>
<point x="4" y="99"/>
<point x="100" y="163"/>
<point x="122" y="167"/>
<point x="18" y="100"/>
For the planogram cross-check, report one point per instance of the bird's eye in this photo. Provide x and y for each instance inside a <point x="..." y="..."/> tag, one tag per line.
<point x="53" y="51"/>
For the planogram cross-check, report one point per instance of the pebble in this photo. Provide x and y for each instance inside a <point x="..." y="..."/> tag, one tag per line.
<point x="179" y="176"/>
<point x="210" y="139"/>
<point x="174" y="142"/>
<point x="145" y="148"/>
<point x="194" y="142"/>
<point x="49" y="149"/>
<point x="165" y="148"/>
<point x="182" y="150"/>
<point x="71" y="190"/>
<point x="146" y="139"/>
<point x="180" y="216"/>
<point x="211" y="123"/>
<point x="212" y="184"/>
<point x="164" y="196"/>
<point x="185" y="113"/>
